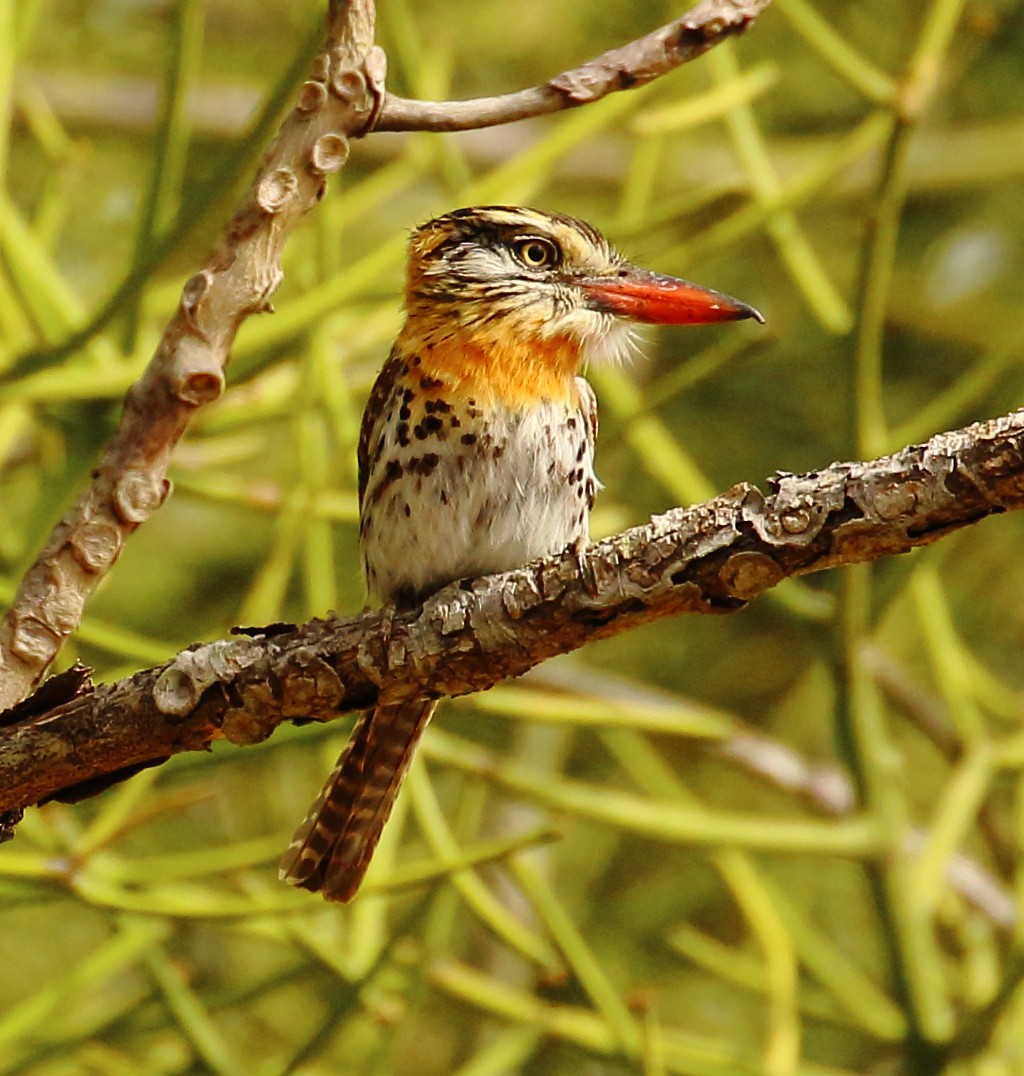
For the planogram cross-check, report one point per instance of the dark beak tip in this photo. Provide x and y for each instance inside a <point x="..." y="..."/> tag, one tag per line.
<point x="747" y="311"/>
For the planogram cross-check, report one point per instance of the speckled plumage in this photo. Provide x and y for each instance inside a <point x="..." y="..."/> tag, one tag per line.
<point x="476" y="453"/>
<point x="455" y="486"/>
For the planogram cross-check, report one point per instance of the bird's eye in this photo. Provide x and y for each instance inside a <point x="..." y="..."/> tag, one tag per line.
<point x="536" y="253"/>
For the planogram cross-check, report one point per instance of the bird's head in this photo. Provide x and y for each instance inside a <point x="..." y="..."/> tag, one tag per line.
<point x="510" y="282"/>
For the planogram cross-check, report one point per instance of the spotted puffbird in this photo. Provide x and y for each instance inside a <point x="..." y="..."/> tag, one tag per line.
<point x="476" y="453"/>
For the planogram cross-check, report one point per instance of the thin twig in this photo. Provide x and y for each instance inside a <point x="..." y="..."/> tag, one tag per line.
<point x="929" y="715"/>
<point x="635" y="64"/>
<point x="913" y="950"/>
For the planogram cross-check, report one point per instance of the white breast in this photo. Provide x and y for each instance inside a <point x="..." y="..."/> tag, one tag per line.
<point x="521" y="488"/>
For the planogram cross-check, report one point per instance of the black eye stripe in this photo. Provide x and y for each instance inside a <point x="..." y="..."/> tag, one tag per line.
<point x="467" y="237"/>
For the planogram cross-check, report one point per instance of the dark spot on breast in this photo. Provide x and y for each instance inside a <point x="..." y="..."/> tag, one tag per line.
<point x="407" y="510"/>
<point x="455" y="422"/>
<point x="443" y="496"/>
<point x="404" y="413"/>
<point x="468" y="438"/>
<point x="423" y="465"/>
<point x="429" y="383"/>
<point x="571" y="423"/>
<point x="407" y="395"/>
<point x="392" y="473"/>
<point x="499" y="451"/>
<point x="402" y="434"/>
<point x="580" y="451"/>
<point x="439" y="407"/>
<point x="431" y="424"/>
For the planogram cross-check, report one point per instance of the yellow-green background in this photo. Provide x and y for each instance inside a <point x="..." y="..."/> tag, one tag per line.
<point x="689" y="917"/>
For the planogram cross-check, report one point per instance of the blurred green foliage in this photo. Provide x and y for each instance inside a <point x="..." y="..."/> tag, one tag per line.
<point x="589" y="871"/>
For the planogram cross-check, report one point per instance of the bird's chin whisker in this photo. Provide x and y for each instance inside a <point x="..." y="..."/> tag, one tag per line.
<point x="631" y="348"/>
<point x="611" y="342"/>
<point x="601" y="338"/>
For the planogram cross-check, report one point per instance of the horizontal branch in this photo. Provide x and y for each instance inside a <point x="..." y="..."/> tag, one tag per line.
<point x="711" y="558"/>
<point x="639" y="62"/>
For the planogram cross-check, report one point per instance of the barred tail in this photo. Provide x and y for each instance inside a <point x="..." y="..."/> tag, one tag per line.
<point x="331" y="850"/>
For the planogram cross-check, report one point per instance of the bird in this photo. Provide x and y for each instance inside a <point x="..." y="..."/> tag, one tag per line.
<point x="476" y="454"/>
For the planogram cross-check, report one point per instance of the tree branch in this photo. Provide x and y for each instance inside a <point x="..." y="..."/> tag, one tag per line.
<point x="711" y="558"/>
<point x="187" y="370"/>
<point x="635" y="64"/>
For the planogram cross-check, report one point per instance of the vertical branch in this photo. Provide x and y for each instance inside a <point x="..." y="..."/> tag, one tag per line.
<point x="863" y="732"/>
<point x="162" y="201"/>
<point x="338" y="101"/>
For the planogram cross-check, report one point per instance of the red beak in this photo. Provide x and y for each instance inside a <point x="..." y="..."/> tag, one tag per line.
<point x="663" y="300"/>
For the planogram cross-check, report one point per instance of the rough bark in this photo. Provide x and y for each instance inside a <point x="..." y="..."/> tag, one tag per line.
<point x="711" y="558"/>
<point x="187" y="371"/>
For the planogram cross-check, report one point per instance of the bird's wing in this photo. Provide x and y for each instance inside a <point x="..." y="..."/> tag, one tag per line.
<point x="588" y="408"/>
<point x="376" y="405"/>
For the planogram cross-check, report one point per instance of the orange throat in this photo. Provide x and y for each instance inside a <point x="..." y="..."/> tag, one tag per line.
<point x="497" y="367"/>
